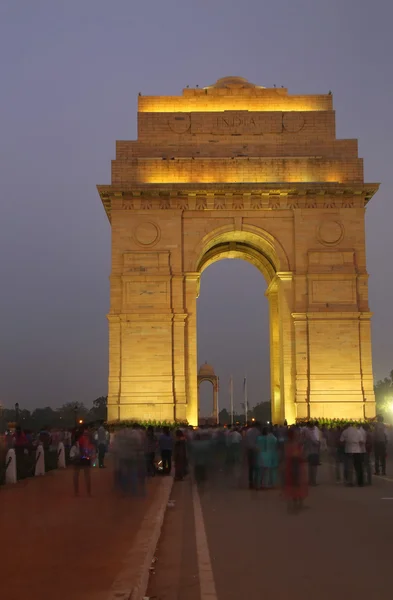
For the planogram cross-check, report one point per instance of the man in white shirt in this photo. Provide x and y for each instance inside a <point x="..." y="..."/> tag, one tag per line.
<point x="354" y="439"/>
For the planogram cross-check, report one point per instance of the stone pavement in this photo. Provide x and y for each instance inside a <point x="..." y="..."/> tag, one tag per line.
<point x="339" y="547"/>
<point x="56" y="546"/>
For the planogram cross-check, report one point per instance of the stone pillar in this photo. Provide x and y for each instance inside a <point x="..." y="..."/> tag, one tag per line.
<point x="366" y="364"/>
<point x="191" y="291"/>
<point x="179" y="366"/>
<point x="337" y="355"/>
<point x="302" y="358"/>
<point x="143" y="379"/>
<point x="287" y="361"/>
<point x="274" y="326"/>
<point x="114" y="380"/>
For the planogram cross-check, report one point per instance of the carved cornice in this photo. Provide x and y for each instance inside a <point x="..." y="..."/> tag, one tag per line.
<point x="236" y="197"/>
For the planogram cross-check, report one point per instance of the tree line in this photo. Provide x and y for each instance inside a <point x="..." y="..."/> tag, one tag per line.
<point x="65" y="417"/>
<point x="260" y="412"/>
<point x="71" y="413"/>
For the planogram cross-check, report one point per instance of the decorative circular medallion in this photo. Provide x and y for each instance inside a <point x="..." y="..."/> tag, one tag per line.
<point x="146" y="234"/>
<point x="293" y="122"/>
<point x="179" y="122"/>
<point x="330" y="233"/>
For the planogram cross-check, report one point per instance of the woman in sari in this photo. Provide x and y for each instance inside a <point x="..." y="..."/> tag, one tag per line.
<point x="295" y="476"/>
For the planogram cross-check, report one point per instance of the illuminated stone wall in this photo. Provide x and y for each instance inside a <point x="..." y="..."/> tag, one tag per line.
<point x="236" y="170"/>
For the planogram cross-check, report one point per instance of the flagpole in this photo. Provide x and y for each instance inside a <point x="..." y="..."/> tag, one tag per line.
<point x="231" y="398"/>
<point x="245" y="398"/>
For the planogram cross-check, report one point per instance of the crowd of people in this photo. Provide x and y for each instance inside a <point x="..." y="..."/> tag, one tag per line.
<point x="268" y="456"/>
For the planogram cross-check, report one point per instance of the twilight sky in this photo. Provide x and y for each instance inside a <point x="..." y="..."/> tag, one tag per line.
<point x="70" y="74"/>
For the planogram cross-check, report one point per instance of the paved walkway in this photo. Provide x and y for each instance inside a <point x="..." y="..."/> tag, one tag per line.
<point x="340" y="547"/>
<point x="56" y="546"/>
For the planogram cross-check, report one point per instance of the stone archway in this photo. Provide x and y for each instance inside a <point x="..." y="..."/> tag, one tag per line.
<point x="240" y="171"/>
<point x="206" y="373"/>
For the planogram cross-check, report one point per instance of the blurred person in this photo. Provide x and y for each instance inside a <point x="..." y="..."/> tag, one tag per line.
<point x="19" y="438"/>
<point x="336" y="450"/>
<point x="151" y="449"/>
<point x="129" y="445"/>
<point x="102" y="444"/>
<point x="312" y="443"/>
<point x="353" y="438"/>
<point x="250" y="440"/>
<point x="165" y="443"/>
<point x="324" y="435"/>
<point x="233" y="447"/>
<point x="368" y="447"/>
<point x="81" y="455"/>
<point x="20" y="444"/>
<point x="201" y="447"/>
<point x="295" y="480"/>
<point x="180" y="456"/>
<point x="380" y="440"/>
<point x="45" y="437"/>
<point x="267" y="459"/>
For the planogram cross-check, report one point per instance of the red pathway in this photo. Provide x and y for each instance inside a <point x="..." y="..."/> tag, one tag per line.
<point x="56" y="546"/>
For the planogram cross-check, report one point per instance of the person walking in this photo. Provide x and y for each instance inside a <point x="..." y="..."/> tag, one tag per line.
<point x="380" y="446"/>
<point x="151" y="449"/>
<point x="20" y="445"/>
<point x="180" y="456"/>
<point x="201" y="447"/>
<point x="266" y="460"/>
<point x="81" y="454"/>
<point x="165" y="443"/>
<point x="312" y="443"/>
<point x="250" y="439"/>
<point x="368" y="447"/>
<point x="353" y="439"/>
<point x="102" y="444"/>
<point x="234" y="454"/>
<point x="295" y="480"/>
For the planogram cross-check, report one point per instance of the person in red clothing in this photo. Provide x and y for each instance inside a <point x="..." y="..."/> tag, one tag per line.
<point x="295" y="477"/>
<point x="20" y="445"/>
<point x="81" y="454"/>
<point x="20" y="439"/>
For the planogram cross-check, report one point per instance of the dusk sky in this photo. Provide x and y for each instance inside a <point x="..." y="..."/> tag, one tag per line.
<point x="70" y="76"/>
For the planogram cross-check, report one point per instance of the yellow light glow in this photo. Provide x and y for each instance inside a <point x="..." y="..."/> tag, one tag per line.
<point x="170" y="104"/>
<point x="80" y="421"/>
<point x="233" y="175"/>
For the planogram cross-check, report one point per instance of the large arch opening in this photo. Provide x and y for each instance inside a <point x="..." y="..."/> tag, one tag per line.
<point x="260" y="250"/>
<point x="233" y="338"/>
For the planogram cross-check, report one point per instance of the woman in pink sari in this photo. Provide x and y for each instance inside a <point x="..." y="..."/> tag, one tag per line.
<point x="295" y="476"/>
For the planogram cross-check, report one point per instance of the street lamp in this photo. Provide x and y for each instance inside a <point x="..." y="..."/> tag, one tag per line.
<point x="17" y="413"/>
<point x="76" y="414"/>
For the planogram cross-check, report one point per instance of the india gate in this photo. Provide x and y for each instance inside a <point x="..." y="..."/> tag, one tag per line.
<point x="236" y="170"/>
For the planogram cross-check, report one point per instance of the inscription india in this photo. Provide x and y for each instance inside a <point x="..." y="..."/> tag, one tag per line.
<point x="237" y="123"/>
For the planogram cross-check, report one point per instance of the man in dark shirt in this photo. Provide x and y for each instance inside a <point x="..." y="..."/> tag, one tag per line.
<point x="380" y="446"/>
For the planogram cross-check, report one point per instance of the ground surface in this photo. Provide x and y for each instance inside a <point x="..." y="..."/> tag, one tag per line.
<point x="56" y="546"/>
<point x="218" y="543"/>
<point x="339" y="547"/>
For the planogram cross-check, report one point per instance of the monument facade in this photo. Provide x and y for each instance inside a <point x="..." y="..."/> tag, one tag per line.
<point x="235" y="170"/>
